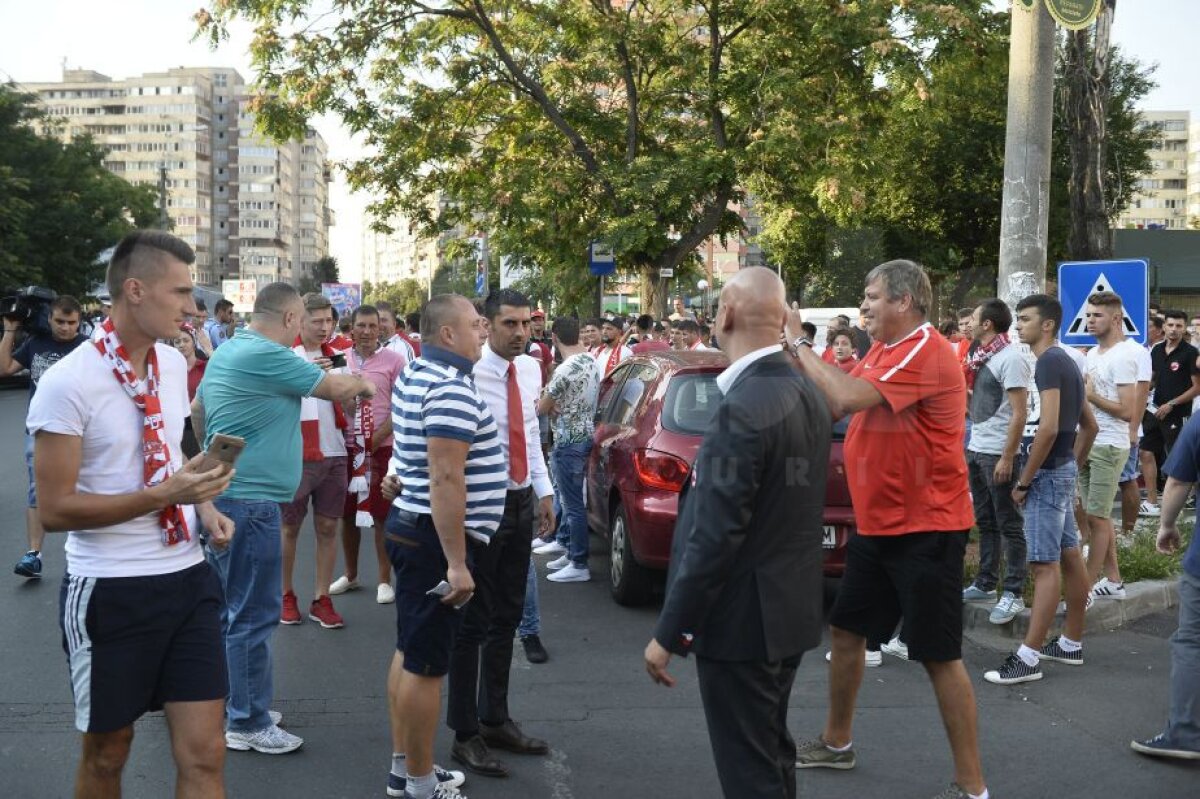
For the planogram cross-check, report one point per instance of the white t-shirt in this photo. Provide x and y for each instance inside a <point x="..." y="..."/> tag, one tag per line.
<point x="1145" y="374"/>
<point x="1078" y="357"/>
<point x="333" y="440"/>
<point x="401" y="347"/>
<point x="1117" y="366"/>
<point x="81" y="397"/>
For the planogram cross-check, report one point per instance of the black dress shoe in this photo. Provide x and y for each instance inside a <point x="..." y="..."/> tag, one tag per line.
<point x="508" y="736"/>
<point x="534" y="651"/>
<point x="475" y="756"/>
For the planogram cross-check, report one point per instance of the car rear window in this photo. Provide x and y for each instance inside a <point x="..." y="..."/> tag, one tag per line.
<point x="690" y="402"/>
<point x="693" y="398"/>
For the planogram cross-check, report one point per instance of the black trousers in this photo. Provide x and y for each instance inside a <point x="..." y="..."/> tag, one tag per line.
<point x="478" y="688"/>
<point x="746" y="705"/>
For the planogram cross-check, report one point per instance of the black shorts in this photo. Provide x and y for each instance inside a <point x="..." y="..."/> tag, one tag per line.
<point x="916" y="578"/>
<point x="425" y="627"/>
<point x="136" y="643"/>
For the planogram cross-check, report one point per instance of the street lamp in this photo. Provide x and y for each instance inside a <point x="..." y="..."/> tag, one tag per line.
<point x="703" y="286"/>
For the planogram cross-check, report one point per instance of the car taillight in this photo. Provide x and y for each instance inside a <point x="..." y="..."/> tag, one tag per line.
<point x="659" y="470"/>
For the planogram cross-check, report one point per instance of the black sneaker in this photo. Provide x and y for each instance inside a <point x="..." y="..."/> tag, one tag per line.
<point x="1014" y="671"/>
<point x="1052" y="651"/>
<point x="534" y="651"/>
<point x="1158" y="746"/>
<point x="396" y="785"/>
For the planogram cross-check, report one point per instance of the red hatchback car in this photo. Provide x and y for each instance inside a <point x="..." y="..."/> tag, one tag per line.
<point x="651" y="414"/>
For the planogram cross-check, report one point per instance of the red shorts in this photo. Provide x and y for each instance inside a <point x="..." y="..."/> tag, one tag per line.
<point x="379" y="466"/>
<point x="325" y="482"/>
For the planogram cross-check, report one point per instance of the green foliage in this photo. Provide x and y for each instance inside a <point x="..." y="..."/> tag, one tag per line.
<point x="405" y="297"/>
<point x="552" y="124"/>
<point x="59" y="207"/>
<point x="325" y="270"/>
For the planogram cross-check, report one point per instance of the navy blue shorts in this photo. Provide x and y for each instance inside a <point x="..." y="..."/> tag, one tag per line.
<point x="425" y="627"/>
<point x="136" y="643"/>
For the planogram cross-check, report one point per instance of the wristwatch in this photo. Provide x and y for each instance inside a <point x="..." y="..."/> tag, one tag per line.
<point x="1023" y="488"/>
<point x="802" y="341"/>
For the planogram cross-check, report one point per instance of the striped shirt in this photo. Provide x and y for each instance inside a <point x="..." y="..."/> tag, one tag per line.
<point x="435" y="397"/>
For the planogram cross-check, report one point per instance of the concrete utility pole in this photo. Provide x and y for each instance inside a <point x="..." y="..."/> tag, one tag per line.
<point x="1025" y="209"/>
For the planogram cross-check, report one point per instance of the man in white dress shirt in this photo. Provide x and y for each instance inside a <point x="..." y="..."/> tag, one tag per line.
<point x="509" y="382"/>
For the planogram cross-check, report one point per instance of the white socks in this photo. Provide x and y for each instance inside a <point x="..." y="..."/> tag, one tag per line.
<point x="1067" y="645"/>
<point x="399" y="765"/>
<point x="421" y="787"/>
<point x="1028" y="656"/>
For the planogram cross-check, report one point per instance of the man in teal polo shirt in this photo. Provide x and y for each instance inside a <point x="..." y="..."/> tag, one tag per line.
<point x="252" y="389"/>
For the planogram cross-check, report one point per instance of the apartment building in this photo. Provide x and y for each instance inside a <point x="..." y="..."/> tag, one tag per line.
<point x="250" y="207"/>
<point x="1162" y="198"/>
<point x="403" y="254"/>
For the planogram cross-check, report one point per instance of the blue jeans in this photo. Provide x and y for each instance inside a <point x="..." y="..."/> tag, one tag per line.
<point x="251" y="572"/>
<point x="31" y="498"/>
<point x="569" y="462"/>
<point x="1183" y="724"/>
<point x="531" y="616"/>
<point x="1049" y="513"/>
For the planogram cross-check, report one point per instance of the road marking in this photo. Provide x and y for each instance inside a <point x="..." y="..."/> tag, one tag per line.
<point x="558" y="774"/>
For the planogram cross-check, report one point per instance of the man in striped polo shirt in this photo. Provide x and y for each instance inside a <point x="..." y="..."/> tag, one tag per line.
<point x="453" y="477"/>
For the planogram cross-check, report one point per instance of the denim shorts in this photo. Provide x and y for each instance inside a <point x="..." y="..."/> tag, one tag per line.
<point x="425" y="626"/>
<point x="1049" y="514"/>
<point x="1132" y="470"/>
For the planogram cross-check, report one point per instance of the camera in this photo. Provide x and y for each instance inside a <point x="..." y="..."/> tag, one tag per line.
<point x="31" y="307"/>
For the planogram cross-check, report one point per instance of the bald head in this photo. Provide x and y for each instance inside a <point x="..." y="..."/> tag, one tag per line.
<point x="752" y="312"/>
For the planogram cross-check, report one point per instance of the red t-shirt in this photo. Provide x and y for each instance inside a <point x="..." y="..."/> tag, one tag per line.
<point x="904" y="458"/>
<point x="195" y="375"/>
<point x="962" y="348"/>
<point x="848" y="365"/>
<point x="827" y="355"/>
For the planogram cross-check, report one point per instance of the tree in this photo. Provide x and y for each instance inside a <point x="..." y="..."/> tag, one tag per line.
<point x="325" y="270"/>
<point x="59" y="207"/>
<point x="1085" y="94"/>
<point x="405" y="297"/>
<point x="553" y="124"/>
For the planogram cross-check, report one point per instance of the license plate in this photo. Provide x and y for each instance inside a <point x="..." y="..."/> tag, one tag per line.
<point x="829" y="539"/>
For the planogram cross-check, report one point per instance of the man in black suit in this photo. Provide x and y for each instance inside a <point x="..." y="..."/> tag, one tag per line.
<point x="744" y="588"/>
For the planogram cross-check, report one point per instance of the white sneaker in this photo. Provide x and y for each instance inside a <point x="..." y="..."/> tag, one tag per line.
<point x="343" y="584"/>
<point x="384" y="594"/>
<point x="1148" y="508"/>
<point x="1007" y="608"/>
<point x="269" y="741"/>
<point x="896" y="648"/>
<point x="1062" y="606"/>
<point x="550" y="548"/>
<point x="1107" y="589"/>
<point x="873" y="659"/>
<point x="559" y="563"/>
<point x="570" y="574"/>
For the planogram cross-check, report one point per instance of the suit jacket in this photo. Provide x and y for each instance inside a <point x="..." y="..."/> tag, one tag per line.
<point x="745" y="581"/>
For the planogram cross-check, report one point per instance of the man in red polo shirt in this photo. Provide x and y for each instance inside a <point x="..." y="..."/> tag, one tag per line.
<point x="908" y="484"/>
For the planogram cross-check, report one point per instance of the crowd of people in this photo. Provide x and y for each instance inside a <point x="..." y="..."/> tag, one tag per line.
<point x="460" y="437"/>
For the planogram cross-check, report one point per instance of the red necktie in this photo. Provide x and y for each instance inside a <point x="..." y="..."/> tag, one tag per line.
<point x="518" y="456"/>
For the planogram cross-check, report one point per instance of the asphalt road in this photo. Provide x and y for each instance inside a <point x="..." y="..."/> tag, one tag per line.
<point x="612" y="732"/>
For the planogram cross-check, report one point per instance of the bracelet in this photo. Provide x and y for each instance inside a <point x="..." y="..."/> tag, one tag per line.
<point x="1022" y="488"/>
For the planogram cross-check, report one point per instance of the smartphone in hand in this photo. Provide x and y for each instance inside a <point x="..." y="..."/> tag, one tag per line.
<point x="222" y="450"/>
<point x="337" y="360"/>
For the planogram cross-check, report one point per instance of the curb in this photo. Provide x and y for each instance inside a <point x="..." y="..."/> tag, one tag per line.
<point x="1142" y="598"/>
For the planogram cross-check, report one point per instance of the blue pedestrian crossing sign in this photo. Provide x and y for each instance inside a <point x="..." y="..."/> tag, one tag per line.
<point x="1077" y="280"/>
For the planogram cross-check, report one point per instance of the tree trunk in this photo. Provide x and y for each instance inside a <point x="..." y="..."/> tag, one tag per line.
<point x="1086" y="99"/>
<point x="653" y="292"/>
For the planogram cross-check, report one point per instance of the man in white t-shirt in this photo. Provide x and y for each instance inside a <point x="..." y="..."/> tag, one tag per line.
<point x="390" y="332"/>
<point x="140" y="607"/>
<point x="612" y="347"/>
<point x="1111" y="388"/>
<point x="323" y="428"/>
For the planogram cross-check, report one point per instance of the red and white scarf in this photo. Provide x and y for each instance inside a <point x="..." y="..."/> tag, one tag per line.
<point x="614" y="358"/>
<point x="156" y="455"/>
<point x="982" y="354"/>
<point x="360" y="461"/>
<point x="310" y="427"/>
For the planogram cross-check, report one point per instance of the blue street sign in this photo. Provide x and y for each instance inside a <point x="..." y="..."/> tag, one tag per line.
<point x="601" y="260"/>
<point x="1079" y="279"/>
